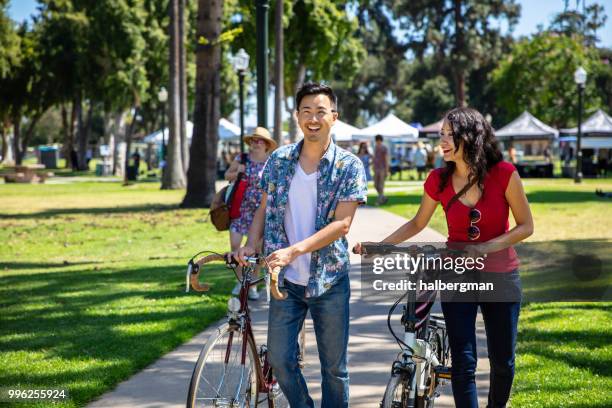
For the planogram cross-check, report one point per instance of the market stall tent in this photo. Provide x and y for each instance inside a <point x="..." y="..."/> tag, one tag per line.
<point x="432" y="130"/>
<point x="343" y="132"/>
<point x="526" y="127"/>
<point x="227" y="132"/>
<point x="596" y="132"/>
<point x="390" y="127"/>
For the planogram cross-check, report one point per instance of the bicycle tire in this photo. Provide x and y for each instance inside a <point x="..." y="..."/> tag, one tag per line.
<point x="277" y="399"/>
<point x="197" y="397"/>
<point x="395" y="385"/>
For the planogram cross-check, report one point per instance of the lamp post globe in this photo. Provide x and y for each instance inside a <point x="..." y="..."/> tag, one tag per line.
<point x="580" y="78"/>
<point x="241" y="64"/>
<point x="162" y="97"/>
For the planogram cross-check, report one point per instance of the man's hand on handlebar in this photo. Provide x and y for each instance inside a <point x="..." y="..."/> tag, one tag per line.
<point x="243" y="253"/>
<point x="357" y="248"/>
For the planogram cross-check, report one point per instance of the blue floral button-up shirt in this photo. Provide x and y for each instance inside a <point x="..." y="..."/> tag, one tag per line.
<point x="340" y="177"/>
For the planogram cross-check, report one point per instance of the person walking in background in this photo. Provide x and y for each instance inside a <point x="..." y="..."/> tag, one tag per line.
<point x="420" y="159"/>
<point x="260" y="145"/>
<point x="512" y="153"/>
<point x="365" y="157"/>
<point x="381" y="169"/>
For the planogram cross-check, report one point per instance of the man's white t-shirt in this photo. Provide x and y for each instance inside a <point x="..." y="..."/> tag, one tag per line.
<point x="300" y="215"/>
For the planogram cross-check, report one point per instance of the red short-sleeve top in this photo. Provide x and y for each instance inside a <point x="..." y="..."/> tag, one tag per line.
<point x="492" y="205"/>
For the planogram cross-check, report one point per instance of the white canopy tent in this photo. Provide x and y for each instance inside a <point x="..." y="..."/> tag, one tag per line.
<point x="599" y="124"/>
<point x="526" y="127"/>
<point x="227" y="132"/>
<point x="343" y="132"/>
<point x="390" y="127"/>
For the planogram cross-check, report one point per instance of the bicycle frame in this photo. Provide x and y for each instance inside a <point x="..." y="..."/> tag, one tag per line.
<point x="417" y="361"/>
<point x="242" y="319"/>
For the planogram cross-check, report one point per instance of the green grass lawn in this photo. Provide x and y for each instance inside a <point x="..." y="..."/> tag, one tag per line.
<point x="91" y="288"/>
<point x="92" y="283"/>
<point x="564" y="352"/>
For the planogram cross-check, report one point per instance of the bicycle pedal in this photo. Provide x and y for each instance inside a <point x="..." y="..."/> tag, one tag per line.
<point x="443" y="372"/>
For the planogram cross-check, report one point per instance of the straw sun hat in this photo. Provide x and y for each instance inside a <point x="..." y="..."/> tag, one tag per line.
<point x="262" y="133"/>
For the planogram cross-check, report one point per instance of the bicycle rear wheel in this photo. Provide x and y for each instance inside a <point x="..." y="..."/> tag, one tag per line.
<point x="219" y="378"/>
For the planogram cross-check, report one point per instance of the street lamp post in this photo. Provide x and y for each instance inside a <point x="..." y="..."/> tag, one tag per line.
<point x="580" y="77"/>
<point x="241" y="64"/>
<point x="263" y="7"/>
<point x="162" y="96"/>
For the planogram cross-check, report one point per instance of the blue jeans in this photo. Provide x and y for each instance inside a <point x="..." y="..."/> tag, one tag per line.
<point x="501" y="320"/>
<point x="330" y="316"/>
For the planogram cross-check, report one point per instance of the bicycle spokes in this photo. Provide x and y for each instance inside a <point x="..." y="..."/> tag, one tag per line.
<point x="227" y="379"/>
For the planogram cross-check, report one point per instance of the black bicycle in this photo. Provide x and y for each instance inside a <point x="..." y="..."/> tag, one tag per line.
<point x="423" y="364"/>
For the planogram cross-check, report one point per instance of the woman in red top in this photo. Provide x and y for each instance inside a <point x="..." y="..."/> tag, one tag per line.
<point x="477" y="189"/>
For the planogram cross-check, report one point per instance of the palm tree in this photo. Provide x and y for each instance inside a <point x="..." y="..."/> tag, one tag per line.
<point x="174" y="176"/>
<point x="202" y="171"/>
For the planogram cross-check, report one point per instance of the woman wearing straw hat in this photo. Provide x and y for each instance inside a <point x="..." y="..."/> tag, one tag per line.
<point x="260" y="145"/>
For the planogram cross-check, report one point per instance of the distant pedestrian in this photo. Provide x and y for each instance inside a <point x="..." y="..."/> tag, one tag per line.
<point x="365" y="157"/>
<point x="420" y="159"/>
<point x="381" y="169"/>
<point x="512" y="154"/>
<point x="602" y="163"/>
<point x="136" y="158"/>
<point x="74" y="160"/>
<point x="547" y="155"/>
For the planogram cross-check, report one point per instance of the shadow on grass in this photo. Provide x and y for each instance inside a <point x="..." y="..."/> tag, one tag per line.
<point x="564" y="196"/>
<point x="97" y="327"/>
<point x="33" y="265"/>
<point x="92" y="211"/>
<point x="545" y="343"/>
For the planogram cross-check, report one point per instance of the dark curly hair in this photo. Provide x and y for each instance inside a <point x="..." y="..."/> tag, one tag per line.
<point x="480" y="147"/>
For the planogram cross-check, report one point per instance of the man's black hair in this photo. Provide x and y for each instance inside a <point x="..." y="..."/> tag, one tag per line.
<point x="378" y="137"/>
<point x="312" y="88"/>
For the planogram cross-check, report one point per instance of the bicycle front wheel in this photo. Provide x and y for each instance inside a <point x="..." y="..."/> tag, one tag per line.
<point x="219" y="378"/>
<point x="397" y="394"/>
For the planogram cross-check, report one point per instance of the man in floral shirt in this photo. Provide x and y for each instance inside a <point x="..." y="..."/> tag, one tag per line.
<point x="311" y="191"/>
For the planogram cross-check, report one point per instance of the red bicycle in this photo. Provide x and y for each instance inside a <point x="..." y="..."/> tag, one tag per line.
<point x="231" y="372"/>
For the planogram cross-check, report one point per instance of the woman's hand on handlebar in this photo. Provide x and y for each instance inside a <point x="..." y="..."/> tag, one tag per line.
<point x="357" y="248"/>
<point x="242" y="253"/>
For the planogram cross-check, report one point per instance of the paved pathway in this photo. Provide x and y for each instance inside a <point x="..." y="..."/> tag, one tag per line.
<point x="371" y="348"/>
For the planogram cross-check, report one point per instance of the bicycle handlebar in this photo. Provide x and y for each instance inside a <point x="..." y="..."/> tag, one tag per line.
<point x="193" y="273"/>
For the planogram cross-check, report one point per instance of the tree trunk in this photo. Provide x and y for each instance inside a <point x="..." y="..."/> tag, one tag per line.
<point x="17" y="138"/>
<point x="4" y="141"/>
<point x="278" y="72"/>
<point x="183" y="87"/>
<point x="67" y="143"/>
<point x="458" y="50"/>
<point x="30" y="130"/>
<point x="114" y="140"/>
<point x="293" y="125"/>
<point x="173" y="175"/>
<point x="84" y="129"/>
<point x="128" y="144"/>
<point x="202" y="172"/>
<point x="74" y="111"/>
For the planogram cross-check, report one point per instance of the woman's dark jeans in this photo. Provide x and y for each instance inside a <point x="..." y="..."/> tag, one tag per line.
<point x="501" y="320"/>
